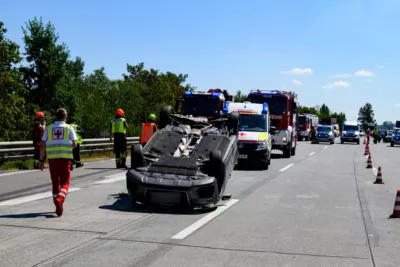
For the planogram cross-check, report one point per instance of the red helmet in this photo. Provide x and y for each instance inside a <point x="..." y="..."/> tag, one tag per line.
<point x="120" y="112"/>
<point x="39" y="115"/>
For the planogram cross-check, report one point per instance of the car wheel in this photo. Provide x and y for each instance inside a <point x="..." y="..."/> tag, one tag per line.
<point x="137" y="158"/>
<point x="293" y="151"/>
<point x="165" y="116"/>
<point x="287" y="151"/>
<point x="217" y="170"/>
<point x="307" y="138"/>
<point x="341" y="141"/>
<point x="233" y="123"/>
<point x="391" y="144"/>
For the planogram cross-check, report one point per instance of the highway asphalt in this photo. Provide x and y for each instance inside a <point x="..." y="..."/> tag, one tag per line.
<point x="317" y="208"/>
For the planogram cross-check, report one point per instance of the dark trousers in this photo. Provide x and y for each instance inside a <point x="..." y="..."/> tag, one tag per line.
<point x="36" y="158"/>
<point x="120" y="150"/>
<point x="77" y="154"/>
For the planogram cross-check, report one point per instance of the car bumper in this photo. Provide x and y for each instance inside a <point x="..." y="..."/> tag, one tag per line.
<point x="325" y="139"/>
<point x="171" y="190"/>
<point x="251" y="151"/>
<point x="350" y="139"/>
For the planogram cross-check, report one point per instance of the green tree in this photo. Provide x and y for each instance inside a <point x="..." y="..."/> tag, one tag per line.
<point x="324" y="112"/>
<point x="309" y="110"/>
<point x="366" y="115"/>
<point x="47" y="61"/>
<point x="240" y="97"/>
<point x="14" y="121"/>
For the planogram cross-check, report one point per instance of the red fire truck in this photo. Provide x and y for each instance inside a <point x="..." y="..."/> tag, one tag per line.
<point x="306" y="121"/>
<point x="203" y="104"/>
<point x="284" y="117"/>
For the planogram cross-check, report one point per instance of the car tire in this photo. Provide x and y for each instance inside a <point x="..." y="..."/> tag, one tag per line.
<point x="233" y="123"/>
<point x="165" y="116"/>
<point x="391" y="144"/>
<point x="307" y="138"/>
<point x="341" y="141"/>
<point x="293" y="151"/>
<point x="137" y="157"/>
<point x="217" y="170"/>
<point x="287" y="151"/>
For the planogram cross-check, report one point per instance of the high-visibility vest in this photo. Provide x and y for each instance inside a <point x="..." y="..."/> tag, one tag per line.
<point x="58" y="145"/>
<point x="147" y="132"/>
<point x="79" y="141"/>
<point x="118" y="125"/>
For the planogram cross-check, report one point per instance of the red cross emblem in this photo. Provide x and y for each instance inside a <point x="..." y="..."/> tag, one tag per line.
<point x="242" y="134"/>
<point x="58" y="133"/>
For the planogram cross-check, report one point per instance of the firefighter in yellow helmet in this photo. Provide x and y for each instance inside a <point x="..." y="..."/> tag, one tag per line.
<point x="148" y="129"/>
<point x="118" y="131"/>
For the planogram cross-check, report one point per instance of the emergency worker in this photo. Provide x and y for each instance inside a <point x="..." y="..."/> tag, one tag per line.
<point x="368" y="134"/>
<point x="148" y="129"/>
<point x="313" y="133"/>
<point x="118" y="130"/>
<point x="375" y="135"/>
<point x="80" y="133"/>
<point x="39" y="126"/>
<point x="59" y="139"/>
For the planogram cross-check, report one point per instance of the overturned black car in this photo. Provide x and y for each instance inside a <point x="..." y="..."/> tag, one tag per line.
<point x="186" y="163"/>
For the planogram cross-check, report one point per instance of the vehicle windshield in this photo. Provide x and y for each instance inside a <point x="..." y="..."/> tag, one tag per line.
<point x="324" y="129"/>
<point x="276" y="104"/>
<point x="200" y="105"/>
<point x="350" y="128"/>
<point x="253" y="123"/>
<point x="302" y="120"/>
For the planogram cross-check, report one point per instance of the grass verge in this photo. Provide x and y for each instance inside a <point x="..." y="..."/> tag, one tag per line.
<point x="28" y="164"/>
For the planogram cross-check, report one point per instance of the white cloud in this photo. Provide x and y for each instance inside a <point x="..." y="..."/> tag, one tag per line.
<point x="297" y="83"/>
<point x="397" y="105"/>
<point x="379" y="66"/>
<point x="298" y="71"/>
<point x="345" y="75"/>
<point x="363" y="73"/>
<point x="336" y="84"/>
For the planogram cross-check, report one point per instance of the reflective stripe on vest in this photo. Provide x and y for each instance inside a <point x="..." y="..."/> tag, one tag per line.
<point x="118" y="125"/>
<point x="147" y="132"/>
<point x="79" y="141"/>
<point x="58" y="144"/>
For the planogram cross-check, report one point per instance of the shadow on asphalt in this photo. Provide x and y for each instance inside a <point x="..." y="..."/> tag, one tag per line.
<point x="30" y="215"/>
<point x="123" y="203"/>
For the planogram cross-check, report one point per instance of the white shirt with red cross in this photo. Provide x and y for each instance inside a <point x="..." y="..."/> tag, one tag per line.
<point x="58" y="132"/>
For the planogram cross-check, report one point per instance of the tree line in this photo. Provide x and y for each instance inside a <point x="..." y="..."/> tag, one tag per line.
<point x="50" y="79"/>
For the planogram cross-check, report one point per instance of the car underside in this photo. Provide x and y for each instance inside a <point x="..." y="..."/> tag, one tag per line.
<point x="186" y="163"/>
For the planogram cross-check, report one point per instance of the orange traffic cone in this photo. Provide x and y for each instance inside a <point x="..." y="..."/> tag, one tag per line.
<point x="369" y="166"/>
<point x="396" y="209"/>
<point x="365" y="141"/>
<point x="366" y="152"/>
<point x="379" y="177"/>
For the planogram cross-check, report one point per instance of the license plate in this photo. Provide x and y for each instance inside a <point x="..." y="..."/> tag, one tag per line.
<point x="350" y="139"/>
<point x="242" y="156"/>
<point x="166" y="197"/>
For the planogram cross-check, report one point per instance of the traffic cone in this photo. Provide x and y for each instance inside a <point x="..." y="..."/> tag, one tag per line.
<point x="365" y="141"/>
<point x="379" y="177"/>
<point x="366" y="152"/>
<point x="369" y="166"/>
<point x="396" y="209"/>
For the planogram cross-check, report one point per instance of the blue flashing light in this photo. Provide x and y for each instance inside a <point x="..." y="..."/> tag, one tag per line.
<point x="225" y="107"/>
<point x="264" y="109"/>
<point x="215" y="94"/>
<point x="188" y="93"/>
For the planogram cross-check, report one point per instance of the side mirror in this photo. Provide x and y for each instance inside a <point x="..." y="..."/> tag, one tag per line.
<point x="272" y="130"/>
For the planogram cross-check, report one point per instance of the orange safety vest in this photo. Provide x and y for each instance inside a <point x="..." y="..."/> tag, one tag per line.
<point x="147" y="132"/>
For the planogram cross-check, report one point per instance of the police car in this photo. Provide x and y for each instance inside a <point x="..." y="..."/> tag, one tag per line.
<point x="325" y="133"/>
<point x="350" y="132"/>
<point x="395" y="140"/>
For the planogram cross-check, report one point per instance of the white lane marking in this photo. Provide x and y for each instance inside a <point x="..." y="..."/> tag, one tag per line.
<point x="112" y="178"/>
<point x="325" y="147"/>
<point x="375" y="171"/>
<point x="192" y="228"/>
<point x="31" y="198"/>
<point x="17" y="172"/>
<point x="311" y="154"/>
<point x="287" y="167"/>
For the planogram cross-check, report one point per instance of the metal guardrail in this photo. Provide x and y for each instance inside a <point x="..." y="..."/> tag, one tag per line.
<point x="25" y="148"/>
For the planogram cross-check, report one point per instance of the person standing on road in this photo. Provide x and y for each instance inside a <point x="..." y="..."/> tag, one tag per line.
<point x="37" y="133"/>
<point x="59" y="139"/>
<point x="77" y="150"/>
<point x="118" y="130"/>
<point x="148" y="129"/>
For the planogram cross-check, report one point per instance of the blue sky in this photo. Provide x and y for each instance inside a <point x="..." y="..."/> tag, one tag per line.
<point x="240" y="44"/>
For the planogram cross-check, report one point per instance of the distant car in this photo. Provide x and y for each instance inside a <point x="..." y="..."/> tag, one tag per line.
<point x="388" y="138"/>
<point x="395" y="137"/>
<point x="325" y="133"/>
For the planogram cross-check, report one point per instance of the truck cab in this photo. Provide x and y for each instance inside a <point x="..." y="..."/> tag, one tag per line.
<point x="306" y="121"/>
<point x="350" y="132"/>
<point x="254" y="143"/>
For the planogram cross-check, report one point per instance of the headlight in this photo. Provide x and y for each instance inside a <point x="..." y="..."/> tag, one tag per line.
<point x="262" y="145"/>
<point x="284" y="139"/>
<point x="330" y="133"/>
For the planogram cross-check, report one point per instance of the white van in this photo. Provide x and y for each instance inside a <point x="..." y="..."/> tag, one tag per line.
<point x="254" y="141"/>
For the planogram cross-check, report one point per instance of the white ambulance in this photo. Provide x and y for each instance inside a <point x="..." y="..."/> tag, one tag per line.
<point x="254" y="141"/>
